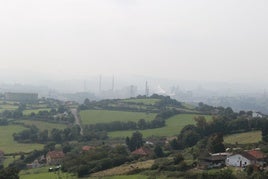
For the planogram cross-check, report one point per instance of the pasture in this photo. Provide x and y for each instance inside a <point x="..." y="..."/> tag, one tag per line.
<point x="42" y="173"/>
<point x="243" y="138"/>
<point x="36" y="111"/>
<point x="43" y="125"/>
<point x="9" y="159"/>
<point x="8" y="145"/>
<point x="125" y="177"/>
<point x="124" y="169"/>
<point x="148" y="101"/>
<point x="106" y="116"/>
<point x="9" y="107"/>
<point x="173" y="127"/>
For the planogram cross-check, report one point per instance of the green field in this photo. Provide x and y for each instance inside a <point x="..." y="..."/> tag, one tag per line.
<point x="173" y="127"/>
<point x="143" y="101"/>
<point x="42" y="125"/>
<point x="10" y="107"/>
<point x="243" y="138"/>
<point x="106" y="116"/>
<point x="124" y="177"/>
<point x="42" y="173"/>
<point x="188" y="106"/>
<point x="9" y="159"/>
<point x="29" y="111"/>
<point x="8" y="145"/>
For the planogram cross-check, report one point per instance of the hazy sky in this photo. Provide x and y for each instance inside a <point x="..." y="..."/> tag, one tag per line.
<point x="224" y="40"/>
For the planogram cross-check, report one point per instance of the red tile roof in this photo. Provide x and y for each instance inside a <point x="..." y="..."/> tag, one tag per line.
<point x="55" y="154"/>
<point x="142" y="151"/>
<point x="257" y="154"/>
<point x="87" y="148"/>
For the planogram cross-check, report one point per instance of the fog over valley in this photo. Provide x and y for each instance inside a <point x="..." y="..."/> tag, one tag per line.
<point x="190" y="50"/>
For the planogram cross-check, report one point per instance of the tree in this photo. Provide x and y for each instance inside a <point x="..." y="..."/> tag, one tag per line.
<point x="10" y="173"/>
<point x="49" y="147"/>
<point x="56" y="135"/>
<point x="86" y="102"/>
<point x="215" y="143"/>
<point x="189" y="136"/>
<point x="158" y="151"/>
<point x="43" y="136"/>
<point x="135" y="141"/>
<point x="264" y="131"/>
<point x="66" y="147"/>
<point x="178" y="158"/>
<point x="201" y="124"/>
<point x="61" y="109"/>
<point x="141" y="124"/>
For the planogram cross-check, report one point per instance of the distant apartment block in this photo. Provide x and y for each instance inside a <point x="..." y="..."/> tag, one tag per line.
<point x="21" y="97"/>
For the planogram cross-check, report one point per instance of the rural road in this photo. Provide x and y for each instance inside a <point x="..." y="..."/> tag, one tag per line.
<point x="77" y="119"/>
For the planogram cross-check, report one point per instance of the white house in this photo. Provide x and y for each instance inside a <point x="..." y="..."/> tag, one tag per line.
<point x="257" y="114"/>
<point x="237" y="160"/>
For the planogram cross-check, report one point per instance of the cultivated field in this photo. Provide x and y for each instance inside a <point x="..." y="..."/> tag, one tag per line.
<point x="173" y="127"/>
<point x="42" y="125"/>
<point x="106" y="116"/>
<point x="8" y="145"/>
<point x="243" y="138"/>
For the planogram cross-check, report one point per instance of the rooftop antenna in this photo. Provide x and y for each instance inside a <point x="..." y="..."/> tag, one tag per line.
<point x="146" y="89"/>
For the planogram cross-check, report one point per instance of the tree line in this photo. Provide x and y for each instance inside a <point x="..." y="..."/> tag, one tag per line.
<point x="34" y="135"/>
<point x="118" y="104"/>
<point x="225" y="122"/>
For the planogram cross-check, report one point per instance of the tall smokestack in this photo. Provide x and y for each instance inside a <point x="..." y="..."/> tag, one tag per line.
<point x="113" y="84"/>
<point x="146" y="89"/>
<point x="100" y="83"/>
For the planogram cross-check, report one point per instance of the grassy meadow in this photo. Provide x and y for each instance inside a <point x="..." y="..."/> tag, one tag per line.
<point x="10" y="107"/>
<point x="243" y="138"/>
<point x="42" y="125"/>
<point x="124" y="169"/>
<point x="126" y="177"/>
<point x="42" y="173"/>
<point x="173" y="127"/>
<point x="106" y="116"/>
<point x="8" y="145"/>
<point x="9" y="159"/>
<point x="142" y="101"/>
<point x="29" y="111"/>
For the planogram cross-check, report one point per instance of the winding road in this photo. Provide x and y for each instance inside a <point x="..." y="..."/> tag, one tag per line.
<point x="77" y="119"/>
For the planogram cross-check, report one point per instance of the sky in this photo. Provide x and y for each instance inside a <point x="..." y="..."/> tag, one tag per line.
<point x="207" y="40"/>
